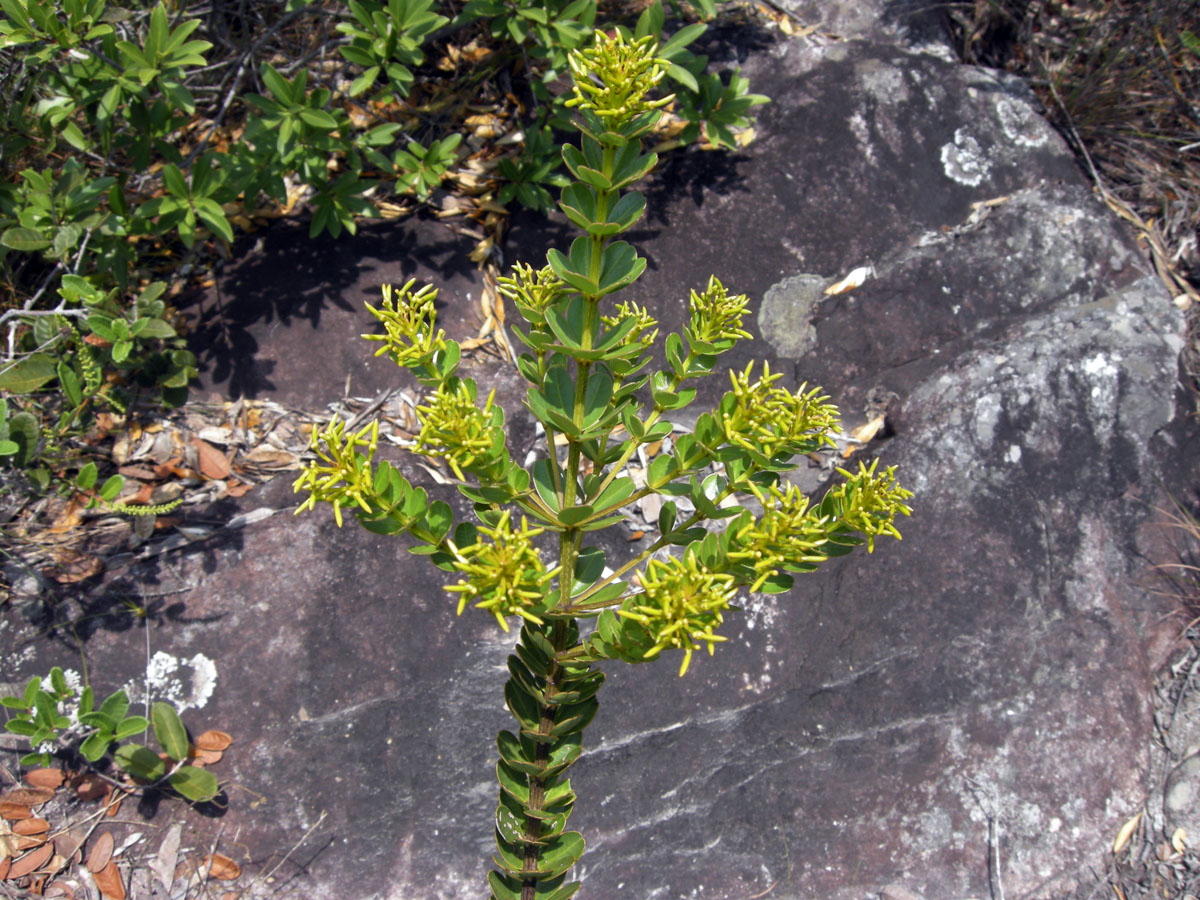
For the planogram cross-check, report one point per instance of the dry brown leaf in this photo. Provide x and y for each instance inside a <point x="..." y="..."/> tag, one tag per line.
<point x="14" y="811"/>
<point x="47" y="779"/>
<point x="109" y="881"/>
<point x="113" y="806"/>
<point x="213" y="740"/>
<point x="212" y="463"/>
<point x="238" y="488"/>
<point x="28" y="841"/>
<point x="851" y="281"/>
<point x="231" y="895"/>
<point x="163" y="863"/>
<point x="864" y="434"/>
<point x="74" y="566"/>
<point x="222" y="867"/>
<point x="31" y="861"/>
<point x="90" y="787"/>
<point x="67" y="843"/>
<point x="264" y="457"/>
<point x="5" y="866"/>
<point x="1126" y="832"/>
<point x="28" y="796"/>
<point x="101" y="852"/>
<point x="202" y="758"/>
<point x="59" y="889"/>
<point x="31" y="826"/>
<point x="69" y="518"/>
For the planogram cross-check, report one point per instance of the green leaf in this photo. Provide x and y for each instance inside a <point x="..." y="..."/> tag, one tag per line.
<point x="24" y="239"/>
<point x="543" y="482"/>
<point x="131" y="726"/>
<point x="169" y="731"/>
<point x="23" y="430"/>
<point x="560" y="853"/>
<point x="277" y="84"/>
<point x="174" y="182"/>
<point x="318" y="118"/>
<point x="194" y="784"/>
<point x="95" y="745"/>
<point x="70" y="384"/>
<point x="140" y="762"/>
<point x="575" y="514"/>
<point x="108" y="492"/>
<point x="115" y="705"/>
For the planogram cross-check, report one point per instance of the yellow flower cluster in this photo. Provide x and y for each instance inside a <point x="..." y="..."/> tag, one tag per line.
<point x="785" y="535"/>
<point x="643" y="332"/>
<point x="716" y="316"/>
<point x="453" y="427"/>
<point x="869" y="503"/>
<point x="759" y="416"/>
<point x="341" y="474"/>
<point x="505" y="575"/>
<point x="408" y="319"/>
<point x="681" y="605"/>
<point x="614" y="75"/>
<point x="532" y="292"/>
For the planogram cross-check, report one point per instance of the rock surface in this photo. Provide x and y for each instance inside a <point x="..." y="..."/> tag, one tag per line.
<point x="979" y="691"/>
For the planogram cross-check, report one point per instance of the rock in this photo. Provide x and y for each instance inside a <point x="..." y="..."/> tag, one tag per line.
<point x="988" y="675"/>
<point x="1180" y="796"/>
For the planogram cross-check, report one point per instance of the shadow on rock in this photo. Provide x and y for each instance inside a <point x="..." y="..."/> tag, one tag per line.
<point x="282" y="277"/>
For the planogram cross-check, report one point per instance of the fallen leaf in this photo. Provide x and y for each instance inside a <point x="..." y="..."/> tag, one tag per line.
<point x="109" y="881"/>
<point x="90" y="787"/>
<point x="31" y="861"/>
<point x="101" y="852"/>
<point x="851" y="281"/>
<point x="74" y="566"/>
<point x="222" y="867"/>
<point x="212" y="462"/>
<point x="1126" y="832"/>
<point x="28" y="841"/>
<point x="636" y="536"/>
<point x="203" y="758"/>
<point x="67" y="843"/>
<point x="59" y="889"/>
<point x="14" y="811"/>
<point x="31" y="826"/>
<point x="863" y="435"/>
<point x="47" y="779"/>
<point x="1179" y="840"/>
<point x="213" y="740"/>
<point x="5" y="866"/>
<point x="163" y="864"/>
<point x="265" y="457"/>
<point x="27" y="796"/>
<point x="238" y="488"/>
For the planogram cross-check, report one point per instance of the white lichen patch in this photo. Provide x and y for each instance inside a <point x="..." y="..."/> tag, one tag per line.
<point x="185" y="683"/>
<point x="1101" y="373"/>
<point x="964" y="161"/>
<point x="1021" y="124"/>
<point x="1013" y="455"/>
<point x="862" y="133"/>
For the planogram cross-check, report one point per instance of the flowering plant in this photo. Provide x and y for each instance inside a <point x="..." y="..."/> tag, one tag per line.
<point x="586" y="364"/>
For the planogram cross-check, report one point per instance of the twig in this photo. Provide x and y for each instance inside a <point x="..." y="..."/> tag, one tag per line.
<point x="995" y="884"/>
<point x="266" y="875"/>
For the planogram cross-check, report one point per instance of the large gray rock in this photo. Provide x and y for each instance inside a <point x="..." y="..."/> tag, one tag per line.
<point x="977" y="692"/>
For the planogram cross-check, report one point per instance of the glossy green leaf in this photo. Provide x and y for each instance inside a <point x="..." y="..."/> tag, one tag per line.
<point x="140" y="762"/>
<point x="195" y="784"/>
<point x="25" y="239"/>
<point x="169" y="731"/>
